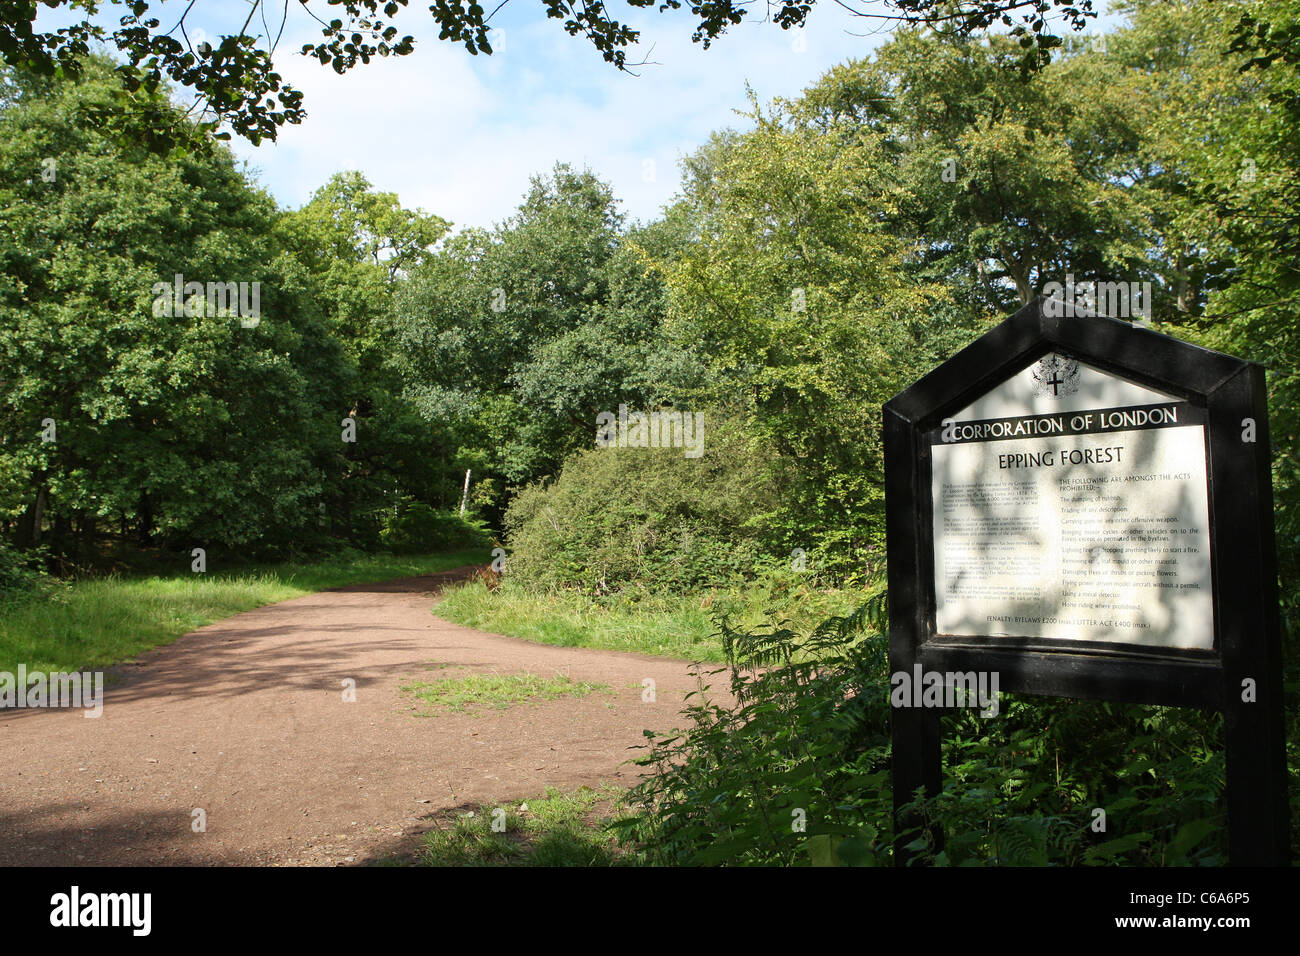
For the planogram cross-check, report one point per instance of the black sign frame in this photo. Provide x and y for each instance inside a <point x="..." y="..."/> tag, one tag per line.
<point x="1247" y="627"/>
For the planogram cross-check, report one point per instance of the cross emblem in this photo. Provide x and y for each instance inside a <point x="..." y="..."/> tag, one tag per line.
<point x="1057" y="373"/>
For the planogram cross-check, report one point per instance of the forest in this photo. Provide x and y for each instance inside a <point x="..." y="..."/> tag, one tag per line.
<point x="192" y="373"/>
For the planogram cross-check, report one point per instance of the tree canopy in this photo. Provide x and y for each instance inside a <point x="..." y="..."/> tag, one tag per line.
<point x="155" y="413"/>
<point x="234" y="80"/>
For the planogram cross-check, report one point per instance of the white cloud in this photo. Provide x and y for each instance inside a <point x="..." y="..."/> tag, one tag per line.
<point x="460" y="135"/>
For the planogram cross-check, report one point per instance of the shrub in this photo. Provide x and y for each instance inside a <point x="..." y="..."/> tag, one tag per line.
<point x="797" y="768"/>
<point x="797" y="771"/>
<point x="21" y="573"/>
<point x="645" y="517"/>
<point x="419" y="529"/>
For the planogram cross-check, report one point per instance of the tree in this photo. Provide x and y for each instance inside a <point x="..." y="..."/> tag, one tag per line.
<point x="865" y="230"/>
<point x="358" y="243"/>
<point x="524" y="332"/>
<point x="353" y="222"/>
<point x="797" y="291"/>
<point x="1223" y="115"/>
<point x="234" y="80"/>
<point x="1007" y="182"/>
<point x="182" y="420"/>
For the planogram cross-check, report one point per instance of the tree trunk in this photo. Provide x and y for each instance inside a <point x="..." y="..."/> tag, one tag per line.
<point x="86" y="533"/>
<point x="144" y="521"/>
<point x="29" y="525"/>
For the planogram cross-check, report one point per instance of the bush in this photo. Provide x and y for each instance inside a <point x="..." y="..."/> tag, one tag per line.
<point x="419" y="529"/>
<point x="797" y="771"/>
<point x="619" y="518"/>
<point x="21" y="573"/>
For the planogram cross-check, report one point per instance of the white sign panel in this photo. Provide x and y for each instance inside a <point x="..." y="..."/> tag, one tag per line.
<point x="1072" y="504"/>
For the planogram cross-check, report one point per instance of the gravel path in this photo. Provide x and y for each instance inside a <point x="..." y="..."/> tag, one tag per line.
<point x="246" y="720"/>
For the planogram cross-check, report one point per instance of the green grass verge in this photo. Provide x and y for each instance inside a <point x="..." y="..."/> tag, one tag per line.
<point x="666" y="625"/>
<point x="476" y="691"/>
<point x="559" y="829"/>
<point x="95" y="622"/>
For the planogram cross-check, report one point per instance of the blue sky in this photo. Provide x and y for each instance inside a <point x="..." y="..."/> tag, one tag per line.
<point x="459" y="135"/>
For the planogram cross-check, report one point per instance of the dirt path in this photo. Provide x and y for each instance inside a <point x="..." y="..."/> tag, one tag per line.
<point x="245" y="719"/>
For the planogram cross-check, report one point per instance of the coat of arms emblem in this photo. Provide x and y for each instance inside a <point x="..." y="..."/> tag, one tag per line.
<point x="1055" y="375"/>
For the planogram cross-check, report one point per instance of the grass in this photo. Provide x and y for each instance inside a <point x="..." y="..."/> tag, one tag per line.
<point x="559" y="829"/>
<point x="666" y="625"/>
<point x="475" y="691"/>
<point x="95" y="622"/>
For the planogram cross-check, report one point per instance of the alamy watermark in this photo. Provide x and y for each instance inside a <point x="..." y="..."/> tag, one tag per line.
<point x="657" y="429"/>
<point x="945" y="689"/>
<point x="129" y="910"/>
<point x="59" y="689"/>
<point x="215" y="299"/>
<point x="1119" y="300"/>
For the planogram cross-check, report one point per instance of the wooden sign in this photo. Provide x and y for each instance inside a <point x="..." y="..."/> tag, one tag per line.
<point x="1081" y="507"/>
